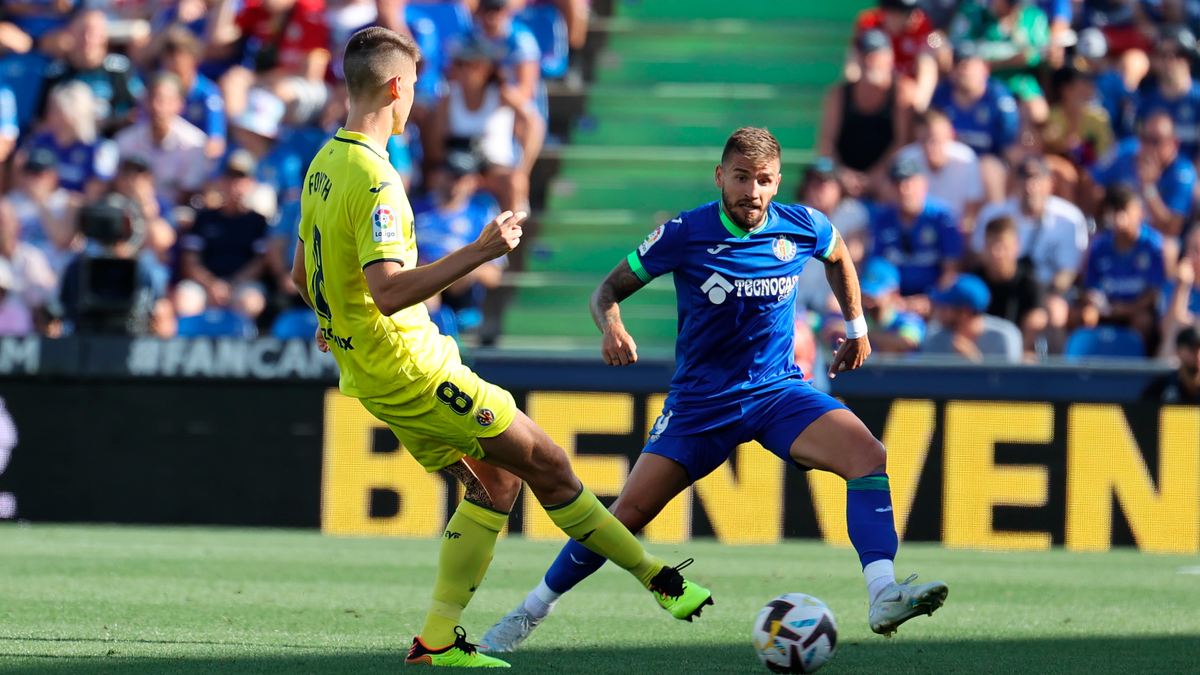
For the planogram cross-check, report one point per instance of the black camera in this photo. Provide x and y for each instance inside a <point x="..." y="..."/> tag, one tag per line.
<point x="108" y="283"/>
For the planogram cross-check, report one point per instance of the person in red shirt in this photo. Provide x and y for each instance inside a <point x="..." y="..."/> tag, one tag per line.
<point x="285" y="49"/>
<point x="915" y="43"/>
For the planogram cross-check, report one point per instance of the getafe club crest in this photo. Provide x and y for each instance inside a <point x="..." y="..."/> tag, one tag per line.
<point x="783" y="248"/>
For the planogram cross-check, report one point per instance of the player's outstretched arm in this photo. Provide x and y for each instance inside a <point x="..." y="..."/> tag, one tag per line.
<point x="394" y="288"/>
<point x="839" y="270"/>
<point x="618" y="347"/>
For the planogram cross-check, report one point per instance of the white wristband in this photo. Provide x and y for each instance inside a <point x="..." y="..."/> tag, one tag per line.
<point x="856" y="328"/>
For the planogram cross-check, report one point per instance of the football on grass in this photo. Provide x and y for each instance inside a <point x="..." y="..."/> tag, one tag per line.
<point x="795" y="633"/>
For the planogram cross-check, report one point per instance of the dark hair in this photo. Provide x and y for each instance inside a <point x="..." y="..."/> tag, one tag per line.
<point x="753" y="143"/>
<point x="182" y="41"/>
<point x="1119" y="197"/>
<point x="165" y="77"/>
<point x="371" y="58"/>
<point x="999" y="226"/>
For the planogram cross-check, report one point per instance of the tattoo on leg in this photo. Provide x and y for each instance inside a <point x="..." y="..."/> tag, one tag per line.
<point x="475" y="490"/>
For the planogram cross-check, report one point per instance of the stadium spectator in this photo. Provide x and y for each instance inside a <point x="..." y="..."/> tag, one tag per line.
<point x="479" y="114"/>
<point x="453" y="215"/>
<point x="110" y="77"/>
<point x="1016" y="293"/>
<point x="864" y="122"/>
<point x="1183" y="308"/>
<point x="1125" y="24"/>
<point x="965" y="327"/>
<point x="512" y="45"/>
<point x="951" y="167"/>
<point x="1125" y="269"/>
<point x="278" y="169"/>
<point x="917" y="234"/>
<point x="204" y="108"/>
<point x="1118" y="87"/>
<point x="893" y="330"/>
<point x="983" y="112"/>
<point x="44" y="210"/>
<point x="135" y="182"/>
<point x="172" y="146"/>
<point x="821" y="189"/>
<point x="1182" y="386"/>
<point x="27" y="282"/>
<point x="1052" y="232"/>
<point x="224" y="254"/>
<point x="1173" y="89"/>
<point x="37" y="19"/>
<point x="284" y="47"/>
<point x="1061" y="15"/>
<point x="1078" y="130"/>
<point x="10" y="129"/>
<point x="85" y="161"/>
<point x="1154" y="166"/>
<point x="914" y="44"/>
<point x="1013" y="38"/>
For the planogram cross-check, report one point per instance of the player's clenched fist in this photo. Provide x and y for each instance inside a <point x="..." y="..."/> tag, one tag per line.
<point x="618" y="348"/>
<point x="502" y="234"/>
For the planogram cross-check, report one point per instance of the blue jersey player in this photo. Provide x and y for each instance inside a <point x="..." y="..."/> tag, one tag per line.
<point x="735" y="263"/>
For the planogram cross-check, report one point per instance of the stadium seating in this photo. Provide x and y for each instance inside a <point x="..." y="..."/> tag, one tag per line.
<point x="298" y="322"/>
<point x="1105" y="341"/>
<point x="668" y="90"/>
<point x="217" y="323"/>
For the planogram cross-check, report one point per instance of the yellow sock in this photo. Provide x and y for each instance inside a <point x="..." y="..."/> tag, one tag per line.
<point x="467" y="548"/>
<point x="585" y="520"/>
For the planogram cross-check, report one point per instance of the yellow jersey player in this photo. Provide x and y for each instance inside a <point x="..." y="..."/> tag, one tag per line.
<point x="356" y="267"/>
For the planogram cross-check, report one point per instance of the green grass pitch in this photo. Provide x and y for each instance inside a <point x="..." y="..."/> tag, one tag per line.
<point x="85" y="599"/>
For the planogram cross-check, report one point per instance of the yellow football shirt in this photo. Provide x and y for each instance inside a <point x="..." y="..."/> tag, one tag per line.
<point x="354" y="213"/>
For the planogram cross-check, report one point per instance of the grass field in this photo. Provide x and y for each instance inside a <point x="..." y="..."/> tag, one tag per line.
<point x="173" y="600"/>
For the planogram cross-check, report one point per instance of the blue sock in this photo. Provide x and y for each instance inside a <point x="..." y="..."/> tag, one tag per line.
<point x="573" y="564"/>
<point x="869" y="518"/>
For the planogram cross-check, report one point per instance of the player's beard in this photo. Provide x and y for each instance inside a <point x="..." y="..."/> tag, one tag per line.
<point x="737" y="219"/>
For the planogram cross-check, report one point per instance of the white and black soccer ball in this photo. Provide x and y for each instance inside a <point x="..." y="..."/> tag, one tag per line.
<point x="795" y="633"/>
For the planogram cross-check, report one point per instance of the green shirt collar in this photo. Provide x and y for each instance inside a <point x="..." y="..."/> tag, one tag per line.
<point x="737" y="231"/>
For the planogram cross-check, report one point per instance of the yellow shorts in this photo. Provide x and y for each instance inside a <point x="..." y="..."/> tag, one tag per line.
<point x="442" y="422"/>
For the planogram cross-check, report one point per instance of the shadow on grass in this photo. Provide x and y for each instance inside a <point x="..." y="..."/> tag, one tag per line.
<point x="1091" y="656"/>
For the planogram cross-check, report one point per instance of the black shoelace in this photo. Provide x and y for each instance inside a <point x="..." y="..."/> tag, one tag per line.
<point x="669" y="581"/>
<point x="461" y="640"/>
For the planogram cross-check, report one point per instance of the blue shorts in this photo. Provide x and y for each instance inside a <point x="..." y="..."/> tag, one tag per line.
<point x="774" y="418"/>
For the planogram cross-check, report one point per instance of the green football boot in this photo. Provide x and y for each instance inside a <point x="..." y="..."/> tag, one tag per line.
<point x="682" y="598"/>
<point x="461" y="654"/>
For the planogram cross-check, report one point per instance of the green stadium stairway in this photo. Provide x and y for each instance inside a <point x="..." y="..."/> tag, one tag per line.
<point x="673" y="79"/>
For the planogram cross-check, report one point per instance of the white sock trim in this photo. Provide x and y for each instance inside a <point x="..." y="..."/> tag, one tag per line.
<point x="541" y="600"/>
<point x="879" y="575"/>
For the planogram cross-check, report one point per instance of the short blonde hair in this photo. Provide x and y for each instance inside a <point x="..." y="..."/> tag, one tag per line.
<point x="753" y="143"/>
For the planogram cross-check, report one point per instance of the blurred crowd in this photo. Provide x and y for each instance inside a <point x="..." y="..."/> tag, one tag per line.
<point x="152" y="152"/>
<point x="1015" y="178"/>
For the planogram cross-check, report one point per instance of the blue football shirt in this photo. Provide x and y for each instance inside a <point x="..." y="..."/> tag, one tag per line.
<point x="79" y="162"/>
<point x="1185" y="111"/>
<point x="1122" y="105"/>
<point x="1124" y="276"/>
<point x="204" y="107"/>
<point x="736" y="297"/>
<point x="989" y="125"/>
<point x="440" y="233"/>
<point x="919" y="249"/>
<point x="1175" y="185"/>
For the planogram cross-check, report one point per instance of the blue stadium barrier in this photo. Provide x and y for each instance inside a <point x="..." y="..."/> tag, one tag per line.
<point x="217" y="323"/>
<point x="1105" y="341"/>
<point x="298" y="322"/>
